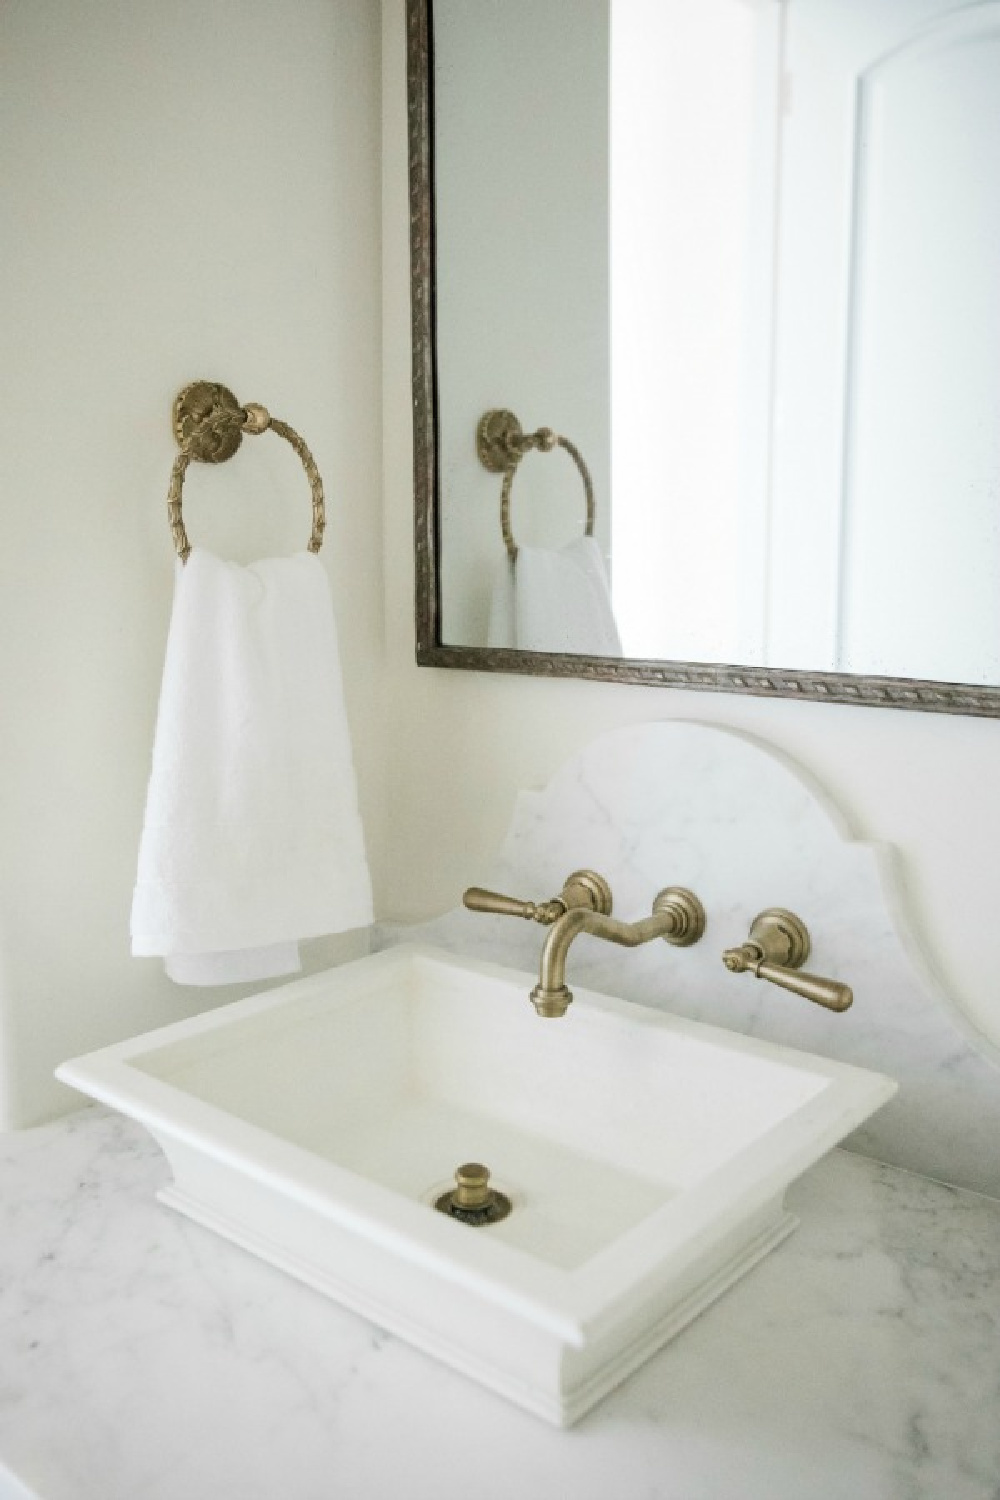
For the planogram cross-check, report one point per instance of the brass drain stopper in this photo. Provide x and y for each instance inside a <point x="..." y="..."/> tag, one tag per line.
<point x="472" y="1200"/>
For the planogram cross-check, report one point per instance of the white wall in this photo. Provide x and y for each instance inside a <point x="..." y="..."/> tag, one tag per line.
<point x="694" y="92"/>
<point x="135" y="262"/>
<point x="192" y="192"/>
<point x="532" y="340"/>
<point x="923" y="782"/>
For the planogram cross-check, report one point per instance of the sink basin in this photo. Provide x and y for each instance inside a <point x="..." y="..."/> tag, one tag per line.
<point x="645" y="1157"/>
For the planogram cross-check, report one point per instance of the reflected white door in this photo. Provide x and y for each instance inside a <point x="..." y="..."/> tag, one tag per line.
<point x="885" y="542"/>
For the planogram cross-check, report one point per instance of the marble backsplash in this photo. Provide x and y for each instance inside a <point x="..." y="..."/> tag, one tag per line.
<point x="679" y="803"/>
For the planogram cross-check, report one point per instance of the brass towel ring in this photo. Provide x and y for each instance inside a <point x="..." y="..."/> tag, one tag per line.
<point x="209" y="424"/>
<point x="501" y="444"/>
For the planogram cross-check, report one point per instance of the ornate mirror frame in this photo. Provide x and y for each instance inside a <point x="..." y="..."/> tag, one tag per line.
<point x="824" y="687"/>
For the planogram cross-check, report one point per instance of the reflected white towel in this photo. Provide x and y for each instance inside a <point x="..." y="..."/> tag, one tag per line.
<point x="555" y="600"/>
<point x="252" y="838"/>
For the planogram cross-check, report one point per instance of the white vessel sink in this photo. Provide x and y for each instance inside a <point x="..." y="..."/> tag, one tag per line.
<point x="646" y="1157"/>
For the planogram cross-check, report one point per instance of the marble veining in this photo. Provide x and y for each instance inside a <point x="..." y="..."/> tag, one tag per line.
<point x="679" y="803"/>
<point x="144" y="1358"/>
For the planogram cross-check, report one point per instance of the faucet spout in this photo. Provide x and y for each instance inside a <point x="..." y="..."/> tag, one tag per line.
<point x="678" y="917"/>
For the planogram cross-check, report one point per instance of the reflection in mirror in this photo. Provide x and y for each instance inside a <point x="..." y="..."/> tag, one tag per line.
<point x="545" y="598"/>
<point x="741" y="255"/>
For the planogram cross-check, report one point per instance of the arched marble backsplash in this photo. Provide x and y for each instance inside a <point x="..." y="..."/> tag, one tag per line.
<point x="680" y="803"/>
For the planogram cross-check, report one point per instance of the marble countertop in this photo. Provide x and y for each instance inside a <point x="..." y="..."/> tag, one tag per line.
<point x="142" y="1358"/>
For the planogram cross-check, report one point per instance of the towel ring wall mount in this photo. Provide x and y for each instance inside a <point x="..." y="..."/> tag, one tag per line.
<point x="501" y="443"/>
<point x="209" y="425"/>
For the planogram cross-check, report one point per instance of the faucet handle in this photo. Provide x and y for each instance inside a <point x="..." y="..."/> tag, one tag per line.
<point x="778" y="946"/>
<point x="582" y="888"/>
<point x="830" y="993"/>
<point x="477" y="899"/>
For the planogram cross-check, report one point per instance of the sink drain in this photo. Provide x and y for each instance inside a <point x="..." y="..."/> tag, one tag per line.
<point x="472" y="1200"/>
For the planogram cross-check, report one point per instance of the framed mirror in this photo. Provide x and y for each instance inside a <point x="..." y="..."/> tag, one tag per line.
<point x="706" y="344"/>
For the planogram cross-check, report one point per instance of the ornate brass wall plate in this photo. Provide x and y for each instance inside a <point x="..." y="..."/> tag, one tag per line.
<point x="782" y="936"/>
<point x="493" y="440"/>
<point x="208" y="416"/>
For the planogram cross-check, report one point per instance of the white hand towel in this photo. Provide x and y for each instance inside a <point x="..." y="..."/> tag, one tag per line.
<point x="555" y="600"/>
<point x="252" y="838"/>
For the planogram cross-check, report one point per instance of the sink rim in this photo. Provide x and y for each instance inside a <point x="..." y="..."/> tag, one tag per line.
<point x="570" y="1303"/>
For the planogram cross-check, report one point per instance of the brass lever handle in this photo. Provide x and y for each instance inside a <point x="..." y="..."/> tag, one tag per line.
<point x="583" y="888"/>
<point x="778" y="946"/>
<point x="477" y="899"/>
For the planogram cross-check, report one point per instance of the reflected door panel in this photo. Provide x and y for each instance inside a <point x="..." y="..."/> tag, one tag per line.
<point x="921" y="492"/>
<point x="884" y="547"/>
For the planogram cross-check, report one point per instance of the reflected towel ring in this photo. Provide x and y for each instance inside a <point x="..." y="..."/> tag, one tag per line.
<point x="209" y="424"/>
<point x="501" y="444"/>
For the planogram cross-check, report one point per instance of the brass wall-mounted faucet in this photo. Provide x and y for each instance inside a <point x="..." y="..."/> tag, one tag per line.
<point x="584" y="905"/>
<point x="778" y="946"/>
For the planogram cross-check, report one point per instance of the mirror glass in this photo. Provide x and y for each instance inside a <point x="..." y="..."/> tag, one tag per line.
<point x="728" y="267"/>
